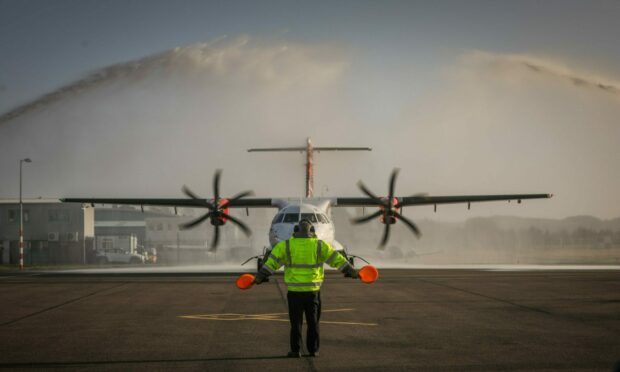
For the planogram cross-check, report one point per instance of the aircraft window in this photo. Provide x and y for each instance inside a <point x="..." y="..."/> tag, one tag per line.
<point x="322" y="218"/>
<point x="291" y="217"/>
<point x="278" y="218"/>
<point x="309" y="216"/>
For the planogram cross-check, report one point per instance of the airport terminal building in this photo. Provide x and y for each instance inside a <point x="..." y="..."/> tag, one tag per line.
<point x="75" y="233"/>
<point x="64" y="233"/>
<point x="54" y="232"/>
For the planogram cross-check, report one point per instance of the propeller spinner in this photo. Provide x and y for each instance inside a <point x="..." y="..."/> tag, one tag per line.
<point x="388" y="212"/>
<point x="218" y="210"/>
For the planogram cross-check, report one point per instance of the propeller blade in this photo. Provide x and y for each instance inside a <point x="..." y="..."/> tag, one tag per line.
<point x="216" y="185"/>
<point x="409" y="223"/>
<point x="366" y="218"/>
<point x="189" y="225"/>
<point x="392" y="185"/>
<point x="242" y="194"/>
<point x="191" y="194"/>
<point x="216" y="238"/>
<point x="366" y="191"/>
<point x="246" y="230"/>
<point x="237" y="197"/>
<point x="386" y="236"/>
<point x="188" y="192"/>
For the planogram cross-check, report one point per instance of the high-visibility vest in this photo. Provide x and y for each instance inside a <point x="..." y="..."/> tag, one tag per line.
<point x="303" y="260"/>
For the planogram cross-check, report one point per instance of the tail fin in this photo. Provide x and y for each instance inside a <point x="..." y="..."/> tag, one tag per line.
<point x="309" y="149"/>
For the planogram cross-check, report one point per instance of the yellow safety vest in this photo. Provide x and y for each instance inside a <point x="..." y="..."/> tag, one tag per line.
<point x="303" y="259"/>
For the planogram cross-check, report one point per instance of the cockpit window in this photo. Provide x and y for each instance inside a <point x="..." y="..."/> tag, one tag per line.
<point x="291" y="218"/>
<point x="278" y="218"/>
<point x="309" y="216"/>
<point x="322" y="218"/>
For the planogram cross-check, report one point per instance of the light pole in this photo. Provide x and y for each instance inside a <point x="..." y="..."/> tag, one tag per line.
<point x="21" y="215"/>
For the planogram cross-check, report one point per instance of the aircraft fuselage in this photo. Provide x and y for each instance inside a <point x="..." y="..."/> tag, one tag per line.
<point x="290" y="214"/>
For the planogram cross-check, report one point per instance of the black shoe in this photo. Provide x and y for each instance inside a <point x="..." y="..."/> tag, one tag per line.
<point x="294" y="354"/>
<point x="314" y="354"/>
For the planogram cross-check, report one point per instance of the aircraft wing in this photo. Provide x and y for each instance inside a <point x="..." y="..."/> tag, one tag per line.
<point x="339" y="201"/>
<point x="181" y="202"/>
<point x="434" y="200"/>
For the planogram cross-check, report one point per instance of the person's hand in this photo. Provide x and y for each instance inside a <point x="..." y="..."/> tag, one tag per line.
<point x="259" y="278"/>
<point x="351" y="272"/>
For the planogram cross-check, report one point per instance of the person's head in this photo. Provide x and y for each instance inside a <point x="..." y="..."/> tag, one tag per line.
<point x="304" y="229"/>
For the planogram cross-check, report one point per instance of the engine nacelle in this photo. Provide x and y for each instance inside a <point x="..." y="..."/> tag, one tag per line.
<point x="220" y="221"/>
<point x="391" y="219"/>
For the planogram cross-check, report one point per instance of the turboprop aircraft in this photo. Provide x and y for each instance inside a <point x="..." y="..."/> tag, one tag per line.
<point x="316" y="210"/>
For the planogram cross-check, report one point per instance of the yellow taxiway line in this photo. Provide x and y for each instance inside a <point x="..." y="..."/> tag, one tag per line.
<point x="276" y="317"/>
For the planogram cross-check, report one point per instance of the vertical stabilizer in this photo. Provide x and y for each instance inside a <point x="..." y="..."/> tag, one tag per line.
<point x="309" y="169"/>
<point x="309" y="150"/>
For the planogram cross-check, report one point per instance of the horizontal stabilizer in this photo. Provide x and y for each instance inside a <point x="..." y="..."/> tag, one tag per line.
<point x="278" y="149"/>
<point x="309" y="150"/>
<point x="314" y="148"/>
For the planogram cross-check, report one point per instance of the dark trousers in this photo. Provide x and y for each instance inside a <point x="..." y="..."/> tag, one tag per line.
<point x="310" y="304"/>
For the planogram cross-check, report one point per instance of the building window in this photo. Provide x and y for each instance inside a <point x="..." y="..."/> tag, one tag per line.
<point x="58" y="215"/>
<point x="160" y="227"/>
<point x="14" y="215"/>
<point x="107" y="244"/>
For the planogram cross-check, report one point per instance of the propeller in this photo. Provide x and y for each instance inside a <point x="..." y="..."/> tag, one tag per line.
<point x="388" y="212"/>
<point x="218" y="210"/>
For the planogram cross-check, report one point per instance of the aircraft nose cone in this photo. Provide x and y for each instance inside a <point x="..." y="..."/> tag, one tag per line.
<point x="280" y="233"/>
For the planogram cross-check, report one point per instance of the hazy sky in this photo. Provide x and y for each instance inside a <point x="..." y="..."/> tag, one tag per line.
<point x="466" y="97"/>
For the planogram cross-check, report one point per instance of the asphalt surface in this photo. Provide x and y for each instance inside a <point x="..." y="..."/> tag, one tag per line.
<point x="439" y="320"/>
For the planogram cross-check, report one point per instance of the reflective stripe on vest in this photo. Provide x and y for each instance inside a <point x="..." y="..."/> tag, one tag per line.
<point x="304" y="266"/>
<point x="312" y="272"/>
<point x="288" y="252"/>
<point x="279" y="261"/>
<point x="307" y="284"/>
<point x="331" y="258"/>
